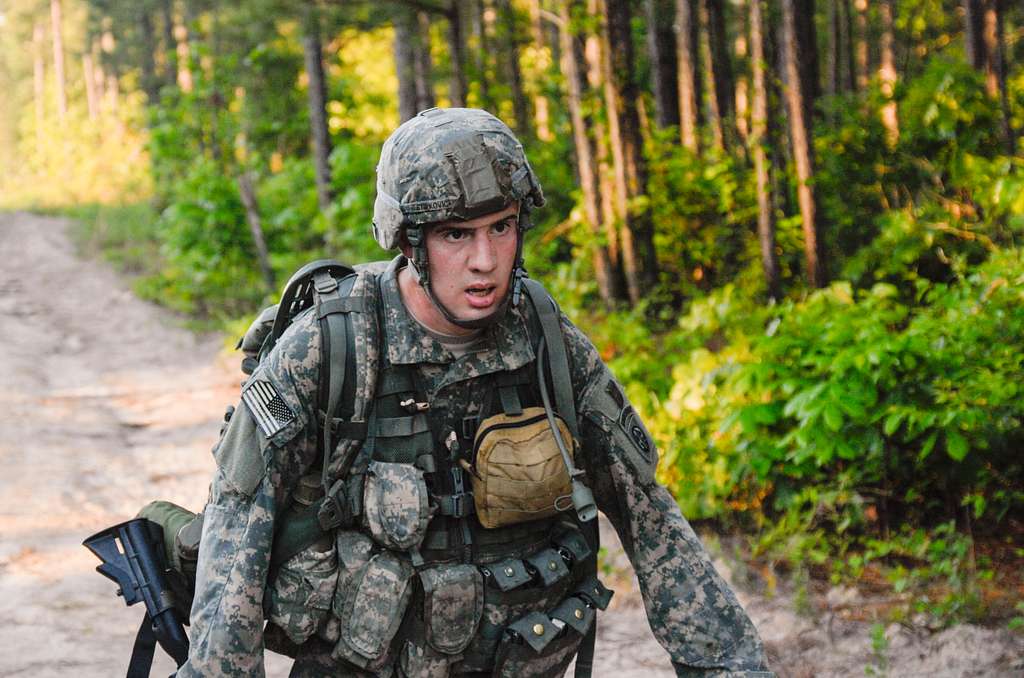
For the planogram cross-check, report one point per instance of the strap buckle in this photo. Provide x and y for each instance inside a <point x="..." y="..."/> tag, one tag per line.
<point x="324" y="282"/>
<point x="334" y="508"/>
<point x="459" y="505"/>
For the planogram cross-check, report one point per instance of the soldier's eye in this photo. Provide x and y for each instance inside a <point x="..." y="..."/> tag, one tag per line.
<point x="454" y="234"/>
<point x="504" y="226"/>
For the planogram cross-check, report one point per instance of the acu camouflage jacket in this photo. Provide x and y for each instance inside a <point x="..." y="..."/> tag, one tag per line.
<point x="692" y="611"/>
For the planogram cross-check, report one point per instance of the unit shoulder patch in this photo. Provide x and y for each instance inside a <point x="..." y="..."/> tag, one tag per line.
<point x="267" y="407"/>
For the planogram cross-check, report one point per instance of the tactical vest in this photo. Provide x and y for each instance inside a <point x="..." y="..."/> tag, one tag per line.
<point x="390" y="509"/>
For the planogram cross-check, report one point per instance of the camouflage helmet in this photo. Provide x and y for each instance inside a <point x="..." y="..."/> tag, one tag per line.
<point x="445" y="164"/>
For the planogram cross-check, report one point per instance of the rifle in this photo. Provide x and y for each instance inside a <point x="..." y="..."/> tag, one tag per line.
<point x="133" y="557"/>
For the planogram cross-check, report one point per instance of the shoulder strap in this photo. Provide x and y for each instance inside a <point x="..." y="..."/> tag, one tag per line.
<point x="333" y="303"/>
<point x="331" y="309"/>
<point x="550" y="324"/>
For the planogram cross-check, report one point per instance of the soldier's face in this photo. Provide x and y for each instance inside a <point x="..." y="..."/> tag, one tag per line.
<point x="471" y="262"/>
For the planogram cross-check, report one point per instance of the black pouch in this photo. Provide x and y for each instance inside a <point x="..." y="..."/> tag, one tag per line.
<point x="453" y="602"/>
<point x="549" y="566"/>
<point x="570" y="542"/>
<point x="595" y="593"/>
<point x="575" y="613"/>
<point x="534" y="647"/>
<point x="508" y="574"/>
<point x="372" y="610"/>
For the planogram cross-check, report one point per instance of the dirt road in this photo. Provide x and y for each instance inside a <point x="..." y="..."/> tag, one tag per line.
<point x="107" y="403"/>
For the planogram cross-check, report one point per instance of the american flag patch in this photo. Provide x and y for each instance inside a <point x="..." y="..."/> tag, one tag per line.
<point x="267" y="407"/>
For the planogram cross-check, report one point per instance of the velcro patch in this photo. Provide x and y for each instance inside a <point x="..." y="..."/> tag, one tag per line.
<point x="266" y="406"/>
<point x="630" y="423"/>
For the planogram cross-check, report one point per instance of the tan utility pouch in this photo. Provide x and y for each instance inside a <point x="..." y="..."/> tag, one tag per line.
<point x="518" y="473"/>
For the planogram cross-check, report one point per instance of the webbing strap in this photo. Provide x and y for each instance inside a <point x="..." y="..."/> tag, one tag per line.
<point x="342" y="305"/>
<point x="142" y="654"/>
<point x="394" y="381"/>
<point x="401" y="427"/>
<point x="585" y="657"/>
<point x="510" y="403"/>
<point x="335" y="343"/>
<point x="299" y="527"/>
<point x="550" y="325"/>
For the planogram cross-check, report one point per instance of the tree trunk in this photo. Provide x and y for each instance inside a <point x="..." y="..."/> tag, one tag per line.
<point x="170" y="47"/>
<point x="714" y="109"/>
<point x="424" y="64"/>
<point x="252" y="215"/>
<point x="405" y="65"/>
<point x="99" y="78"/>
<point x="974" y="42"/>
<point x="184" y="57"/>
<point x="721" y="91"/>
<point x="834" y="48"/>
<point x="995" y="68"/>
<point x="661" y="47"/>
<point x="457" y="55"/>
<point x="586" y="157"/>
<point x="58" y="59"/>
<point x="741" y="51"/>
<point x="513" y="73"/>
<point x="150" y="82"/>
<point x="594" y="50"/>
<point x="638" y="256"/>
<point x="541" y="111"/>
<point x="88" y="71"/>
<point x="112" y="86"/>
<point x="39" y="80"/>
<point x="861" y="49"/>
<point x="480" y="55"/>
<point x="317" y="98"/>
<point x="848" y="73"/>
<point x="802" y="150"/>
<point x="810" y="71"/>
<point x="689" y="89"/>
<point x="758" y="140"/>
<point x="887" y="74"/>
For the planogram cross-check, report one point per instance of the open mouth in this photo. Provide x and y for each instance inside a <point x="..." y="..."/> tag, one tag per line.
<point x="481" y="296"/>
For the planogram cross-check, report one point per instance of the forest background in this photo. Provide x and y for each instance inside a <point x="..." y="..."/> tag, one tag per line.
<point x="792" y="228"/>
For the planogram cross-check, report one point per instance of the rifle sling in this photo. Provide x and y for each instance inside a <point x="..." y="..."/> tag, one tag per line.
<point x="142" y="653"/>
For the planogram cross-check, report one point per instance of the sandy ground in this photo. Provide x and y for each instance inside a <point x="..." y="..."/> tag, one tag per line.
<point x="108" y="403"/>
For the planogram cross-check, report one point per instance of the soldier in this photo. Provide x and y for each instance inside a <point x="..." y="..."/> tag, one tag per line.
<point x="458" y="540"/>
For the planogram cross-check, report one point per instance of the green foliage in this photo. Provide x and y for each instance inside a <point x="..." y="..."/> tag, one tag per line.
<point x="209" y="261"/>
<point x="705" y="215"/>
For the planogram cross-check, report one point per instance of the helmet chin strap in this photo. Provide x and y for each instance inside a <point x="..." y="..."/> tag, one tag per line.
<point x="512" y="296"/>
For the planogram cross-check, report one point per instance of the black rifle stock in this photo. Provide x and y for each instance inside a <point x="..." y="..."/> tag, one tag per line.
<point x="133" y="557"/>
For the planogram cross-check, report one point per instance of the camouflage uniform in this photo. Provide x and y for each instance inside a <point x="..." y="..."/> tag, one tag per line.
<point x="692" y="611"/>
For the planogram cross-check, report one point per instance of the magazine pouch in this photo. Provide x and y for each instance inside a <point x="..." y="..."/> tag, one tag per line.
<point x="453" y="602"/>
<point x="372" y="609"/>
<point x="395" y="505"/>
<point x="534" y="647"/>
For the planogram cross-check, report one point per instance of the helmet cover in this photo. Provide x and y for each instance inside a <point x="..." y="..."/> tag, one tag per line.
<point x="449" y="164"/>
